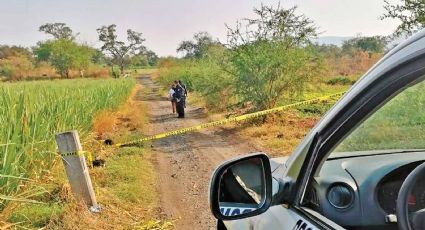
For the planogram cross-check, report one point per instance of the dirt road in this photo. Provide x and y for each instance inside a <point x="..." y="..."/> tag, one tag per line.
<point x="185" y="163"/>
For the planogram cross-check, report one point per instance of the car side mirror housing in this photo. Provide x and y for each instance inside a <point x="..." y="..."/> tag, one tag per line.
<point x="241" y="188"/>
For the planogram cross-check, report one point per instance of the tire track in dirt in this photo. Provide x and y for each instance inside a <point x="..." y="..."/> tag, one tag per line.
<point x="185" y="163"/>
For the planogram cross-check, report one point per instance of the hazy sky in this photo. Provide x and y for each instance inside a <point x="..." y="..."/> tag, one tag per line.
<point x="164" y="23"/>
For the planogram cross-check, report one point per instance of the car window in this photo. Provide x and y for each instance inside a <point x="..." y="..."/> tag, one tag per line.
<point x="397" y="126"/>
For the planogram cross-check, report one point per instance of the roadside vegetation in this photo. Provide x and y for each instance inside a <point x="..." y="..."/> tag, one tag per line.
<point x="33" y="112"/>
<point x="267" y="61"/>
<point x="126" y="187"/>
<point x="41" y="197"/>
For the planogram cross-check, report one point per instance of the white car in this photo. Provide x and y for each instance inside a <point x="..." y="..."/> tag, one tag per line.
<point x="360" y="167"/>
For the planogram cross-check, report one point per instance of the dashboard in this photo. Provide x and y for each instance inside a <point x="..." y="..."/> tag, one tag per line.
<point x="388" y="188"/>
<point x="361" y="191"/>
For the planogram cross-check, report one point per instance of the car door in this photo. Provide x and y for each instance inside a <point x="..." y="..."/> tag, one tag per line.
<point x="403" y="67"/>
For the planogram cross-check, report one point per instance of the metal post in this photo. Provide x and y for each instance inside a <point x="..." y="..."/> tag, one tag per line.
<point x="76" y="168"/>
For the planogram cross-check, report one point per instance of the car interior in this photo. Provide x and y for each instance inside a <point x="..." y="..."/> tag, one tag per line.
<point x="358" y="184"/>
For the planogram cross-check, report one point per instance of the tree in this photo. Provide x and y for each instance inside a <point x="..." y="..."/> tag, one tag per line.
<point x="411" y="13"/>
<point x="152" y="58"/>
<point x="139" y="60"/>
<point x="198" y="46"/>
<point x="82" y="58"/>
<point x="375" y="44"/>
<point x="58" y="31"/>
<point x="270" y="56"/>
<point x="64" y="55"/>
<point x="119" y="49"/>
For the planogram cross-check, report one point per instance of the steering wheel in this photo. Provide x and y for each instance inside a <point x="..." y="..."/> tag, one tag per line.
<point x="405" y="221"/>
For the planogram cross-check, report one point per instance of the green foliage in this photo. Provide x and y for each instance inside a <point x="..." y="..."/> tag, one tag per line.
<point x="34" y="112"/>
<point x="127" y="179"/>
<point x="119" y="50"/>
<point x="270" y="55"/>
<point x="152" y="58"/>
<point x="64" y="55"/>
<point x="375" y="44"/>
<point x="340" y="81"/>
<point x="410" y="13"/>
<point x="43" y="51"/>
<point x="58" y="31"/>
<point x="139" y="61"/>
<point x="198" y="47"/>
<point x="399" y="124"/>
<point x="263" y="76"/>
<point x="36" y="215"/>
<point x="327" y="51"/>
<point x="266" y="59"/>
<point x="314" y="109"/>
<point x="205" y="76"/>
<point x="6" y="70"/>
<point x="115" y="72"/>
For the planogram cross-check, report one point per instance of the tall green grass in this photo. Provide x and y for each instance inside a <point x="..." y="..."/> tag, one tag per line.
<point x="399" y="124"/>
<point x="32" y="112"/>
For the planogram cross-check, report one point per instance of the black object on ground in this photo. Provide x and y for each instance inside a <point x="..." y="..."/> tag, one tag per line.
<point x="108" y="142"/>
<point x="98" y="163"/>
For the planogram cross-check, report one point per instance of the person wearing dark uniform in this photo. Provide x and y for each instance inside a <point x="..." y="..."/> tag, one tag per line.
<point x="178" y="95"/>
<point x="184" y="94"/>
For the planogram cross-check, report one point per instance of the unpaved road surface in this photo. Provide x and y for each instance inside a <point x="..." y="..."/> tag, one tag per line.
<point x="185" y="163"/>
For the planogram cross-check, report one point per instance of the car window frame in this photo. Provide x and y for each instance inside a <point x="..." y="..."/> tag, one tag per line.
<point x="354" y="113"/>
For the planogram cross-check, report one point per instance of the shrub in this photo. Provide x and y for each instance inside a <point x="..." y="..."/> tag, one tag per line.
<point x="205" y="76"/>
<point x="115" y="72"/>
<point x="340" y="81"/>
<point x="16" y="67"/>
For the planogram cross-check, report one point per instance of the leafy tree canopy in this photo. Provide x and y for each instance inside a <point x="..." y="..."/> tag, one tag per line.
<point x="410" y="13"/>
<point x="120" y="50"/>
<point x="58" y="30"/>
<point x="64" y="55"/>
<point x="375" y="44"/>
<point x="197" y="47"/>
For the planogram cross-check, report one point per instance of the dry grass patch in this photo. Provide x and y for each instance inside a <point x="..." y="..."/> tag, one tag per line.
<point x="281" y="133"/>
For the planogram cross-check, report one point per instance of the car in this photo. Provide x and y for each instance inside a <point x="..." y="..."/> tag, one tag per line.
<point x="361" y="166"/>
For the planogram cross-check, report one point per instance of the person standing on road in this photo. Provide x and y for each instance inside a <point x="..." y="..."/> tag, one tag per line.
<point x="173" y="100"/>
<point x="184" y="94"/>
<point x="178" y="95"/>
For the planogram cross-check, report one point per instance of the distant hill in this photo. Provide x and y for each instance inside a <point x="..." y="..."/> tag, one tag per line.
<point x="331" y="40"/>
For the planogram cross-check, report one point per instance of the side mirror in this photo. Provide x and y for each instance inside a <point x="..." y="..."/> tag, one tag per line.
<point x="241" y="188"/>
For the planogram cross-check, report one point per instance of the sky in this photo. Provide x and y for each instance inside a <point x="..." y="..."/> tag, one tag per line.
<point x="165" y="23"/>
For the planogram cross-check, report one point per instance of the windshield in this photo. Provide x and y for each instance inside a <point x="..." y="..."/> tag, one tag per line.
<point x="398" y="126"/>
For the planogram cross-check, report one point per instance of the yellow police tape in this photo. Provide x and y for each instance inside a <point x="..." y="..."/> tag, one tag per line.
<point x="88" y="155"/>
<point x="77" y="153"/>
<point x="227" y="120"/>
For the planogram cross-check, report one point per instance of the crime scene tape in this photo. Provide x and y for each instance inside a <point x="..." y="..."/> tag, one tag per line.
<point x="78" y="153"/>
<point x="87" y="154"/>
<point x="227" y="120"/>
